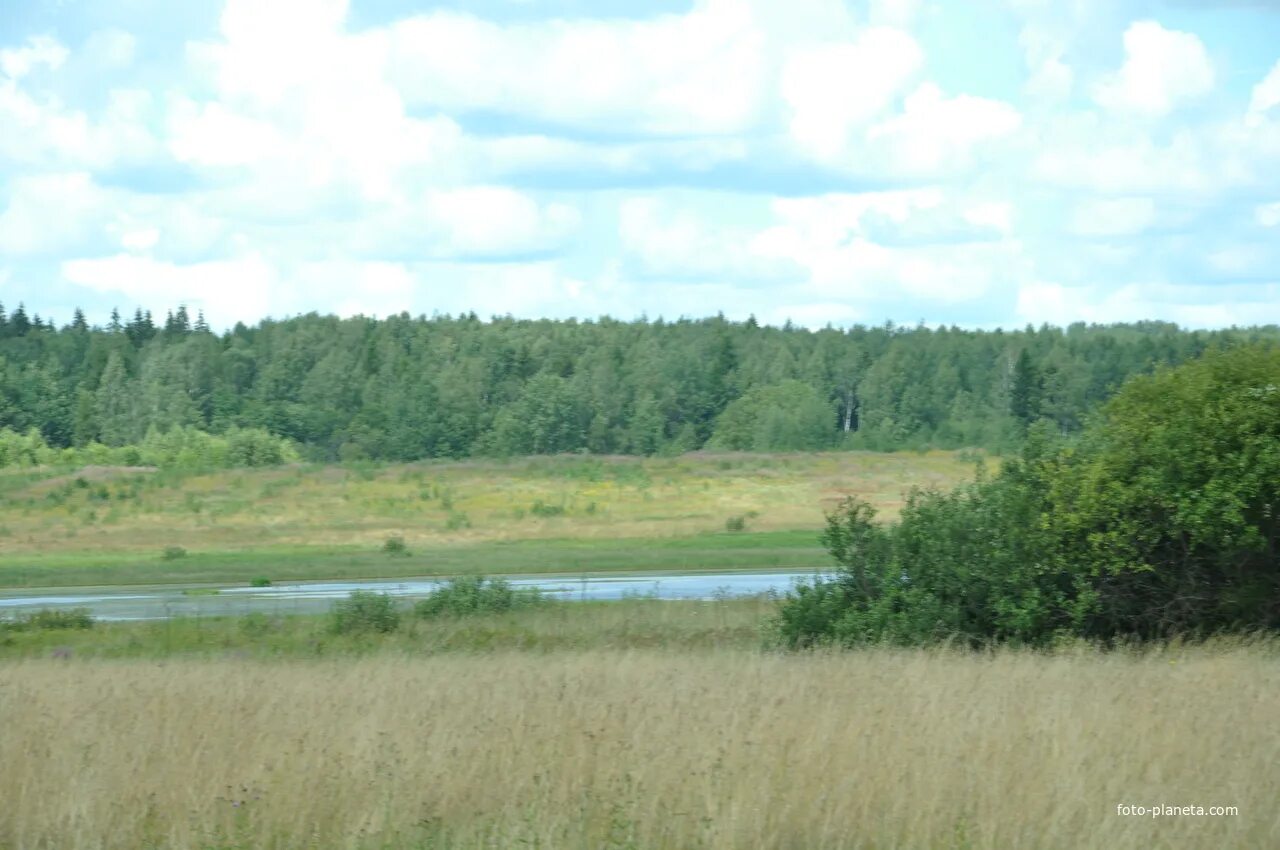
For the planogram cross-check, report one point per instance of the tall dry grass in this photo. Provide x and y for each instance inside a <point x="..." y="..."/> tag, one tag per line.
<point x="643" y="749"/>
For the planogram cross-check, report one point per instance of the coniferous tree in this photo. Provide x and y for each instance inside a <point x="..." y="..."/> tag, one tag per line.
<point x="1026" y="390"/>
<point x="20" y="324"/>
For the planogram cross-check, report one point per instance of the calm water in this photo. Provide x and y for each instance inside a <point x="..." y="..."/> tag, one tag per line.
<point x="158" y="603"/>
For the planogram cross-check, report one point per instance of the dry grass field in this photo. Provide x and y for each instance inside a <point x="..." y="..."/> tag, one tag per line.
<point x="644" y="749"/>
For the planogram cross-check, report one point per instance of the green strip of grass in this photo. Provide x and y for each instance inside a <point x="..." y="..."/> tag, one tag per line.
<point x="555" y="625"/>
<point x="712" y="552"/>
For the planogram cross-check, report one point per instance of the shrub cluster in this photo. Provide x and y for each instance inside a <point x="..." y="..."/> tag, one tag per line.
<point x="175" y="448"/>
<point x="467" y="595"/>
<point x="364" y="611"/>
<point x="50" y="619"/>
<point x="1162" y="520"/>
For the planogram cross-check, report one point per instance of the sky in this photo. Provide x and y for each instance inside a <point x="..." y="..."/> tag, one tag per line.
<point x="973" y="162"/>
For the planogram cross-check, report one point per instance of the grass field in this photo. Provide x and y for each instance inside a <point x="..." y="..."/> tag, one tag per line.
<point x="642" y="623"/>
<point x="642" y="748"/>
<point x="553" y="514"/>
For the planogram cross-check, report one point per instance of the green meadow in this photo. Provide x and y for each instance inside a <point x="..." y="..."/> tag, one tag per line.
<point x="133" y="525"/>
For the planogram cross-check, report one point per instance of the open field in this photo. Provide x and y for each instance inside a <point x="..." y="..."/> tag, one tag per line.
<point x="712" y="748"/>
<point x="552" y="514"/>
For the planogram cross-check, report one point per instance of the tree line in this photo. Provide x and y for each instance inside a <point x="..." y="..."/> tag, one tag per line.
<point x="405" y="388"/>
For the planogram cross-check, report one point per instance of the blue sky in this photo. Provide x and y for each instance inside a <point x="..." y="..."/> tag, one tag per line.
<point x="981" y="163"/>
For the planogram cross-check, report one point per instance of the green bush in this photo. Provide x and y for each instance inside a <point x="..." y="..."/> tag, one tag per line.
<point x="173" y="553"/>
<point x="50" y="619"/>
<point x="467" y="595"/>
<point x="735" y="523"/>
<point x="395" y="546"/>
<point x="182" y="447"/>
<point x="260" y="581"/>
<point x="1163" y="520"/>
<point x="364" y="611"/>
<point x="540" y="508"/>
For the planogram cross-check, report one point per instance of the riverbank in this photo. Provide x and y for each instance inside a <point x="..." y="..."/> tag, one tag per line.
<point x="527" y="515"/>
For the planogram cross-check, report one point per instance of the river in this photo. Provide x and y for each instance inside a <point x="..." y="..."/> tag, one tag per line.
<point x="166" y="601"/>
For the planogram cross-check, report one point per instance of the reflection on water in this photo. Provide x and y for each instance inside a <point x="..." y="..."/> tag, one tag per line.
<point x="160" y="603"/>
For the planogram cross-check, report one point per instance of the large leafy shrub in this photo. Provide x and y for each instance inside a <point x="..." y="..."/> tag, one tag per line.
<point x="1161" y="520"/>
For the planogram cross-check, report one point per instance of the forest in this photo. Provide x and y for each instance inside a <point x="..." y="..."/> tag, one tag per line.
<point x="406" y="388"/>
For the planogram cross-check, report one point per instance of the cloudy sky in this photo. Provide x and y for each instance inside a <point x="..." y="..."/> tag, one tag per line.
<point x="977" y="162"/>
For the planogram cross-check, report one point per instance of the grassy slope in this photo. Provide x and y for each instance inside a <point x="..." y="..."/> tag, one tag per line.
<point x="528" y="515"/>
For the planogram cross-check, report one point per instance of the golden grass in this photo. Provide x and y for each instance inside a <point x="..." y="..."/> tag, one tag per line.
<point x="714" y="749"/>
<point x="336" y="506"/>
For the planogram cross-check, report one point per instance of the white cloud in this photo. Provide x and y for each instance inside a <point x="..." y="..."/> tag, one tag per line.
<point x="837" y="88"/>
<point x="1162" y="69"/>
<point x="1194" y="306"/>
<point x="824" y="236"/>
<point x="213" y="135"/>
<point x="1267" y="215"/>
<point x="140" y="240"/>
<point x="1264" y="97"/>
<point x="351" y="288"/>
<point x="17" y="62"/>
<point x="694" y="73"/>
<point x="51" y="213"/>
<point x="1085" y="151"/>
<point x="1052" y="78"/>
<point x="226" y="290"/>
<point x="935" y="132"/>
<point x="996" y="215"/>
<point x="1043" y="50"/>
<point x="1113" y="217"/>
<point x="308" y="109"/>
<point x="894" y="13"/>
<point x="495" y="220"/>
<point x="675" y="243"/>
<point x="41" y="130"/>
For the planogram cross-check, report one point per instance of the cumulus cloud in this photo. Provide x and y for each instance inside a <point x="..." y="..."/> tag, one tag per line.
<point x="832" y="257"/>
<point x="41" y="50"/>
<point x="52" y="213"/>
<point x="935" y="132"/>
<point x="226" y="290"/>
<point x="698" y="72"/>
<point x="668" y="242"/>
<point x="1113" y="217"/>
<point x="455" y="161"/>
<point x="495" y="220"/>
<point x="1162" y="69"/>
<point x="836" y="88"/>
<point x="1264" y="97"/>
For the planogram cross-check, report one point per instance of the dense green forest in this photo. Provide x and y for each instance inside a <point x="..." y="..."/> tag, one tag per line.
<point x="404" y="388"/>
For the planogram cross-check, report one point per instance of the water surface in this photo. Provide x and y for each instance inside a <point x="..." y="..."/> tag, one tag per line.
<point x="163" y="602"/>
